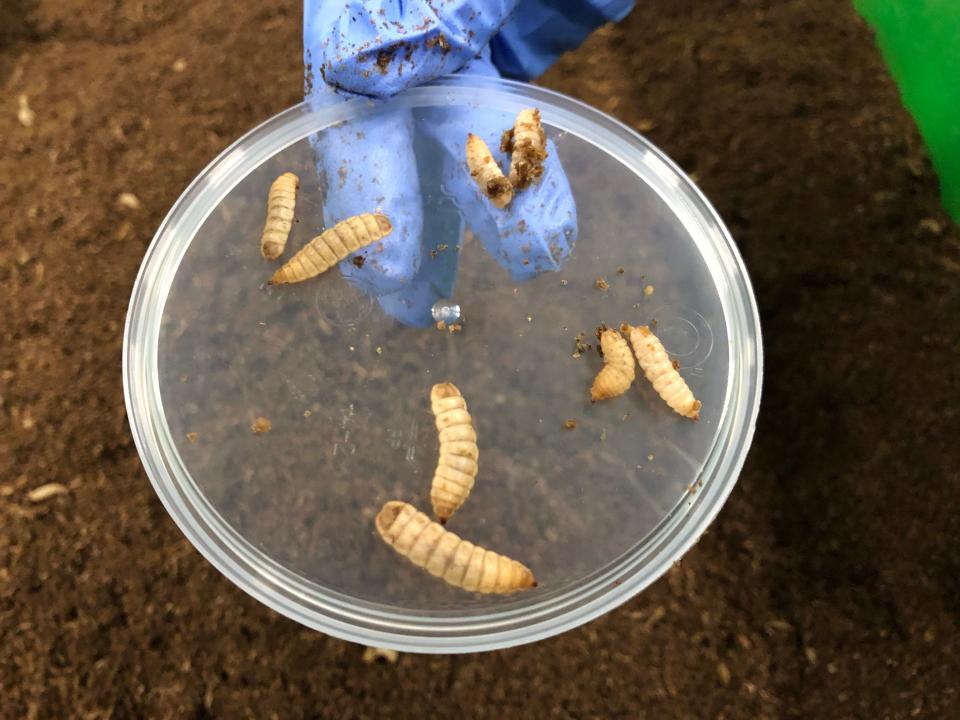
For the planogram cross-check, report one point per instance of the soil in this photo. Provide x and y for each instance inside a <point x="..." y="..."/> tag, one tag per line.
<point x="826" y="588"/>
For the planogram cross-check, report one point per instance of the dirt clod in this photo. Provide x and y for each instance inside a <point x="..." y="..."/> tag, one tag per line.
<point x="45" y="492"/>
<point x="261" y="425"/>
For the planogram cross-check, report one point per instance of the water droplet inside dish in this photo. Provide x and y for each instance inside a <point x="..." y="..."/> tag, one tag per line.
<point x="446" y="311"/>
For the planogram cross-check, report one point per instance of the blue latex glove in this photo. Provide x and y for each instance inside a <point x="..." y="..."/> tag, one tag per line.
<point x="377" y="49"/>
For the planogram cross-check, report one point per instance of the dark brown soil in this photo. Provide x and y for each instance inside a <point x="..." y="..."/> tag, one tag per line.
<point x="829" y="585"/>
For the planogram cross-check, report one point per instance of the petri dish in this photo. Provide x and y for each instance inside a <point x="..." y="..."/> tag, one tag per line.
<point x="598" y="512"/>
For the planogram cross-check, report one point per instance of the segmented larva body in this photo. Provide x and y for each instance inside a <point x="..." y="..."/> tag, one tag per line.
<point x="484" y="169"/>
<point x="457" y="466"/>
<point x="528" y="148"/>
<point x="280" y="204"/>
<point x="619" y="368"/>
<point x="445" y="555"/>
<point x="660" y="371"/>
<point x="333" y="245"/>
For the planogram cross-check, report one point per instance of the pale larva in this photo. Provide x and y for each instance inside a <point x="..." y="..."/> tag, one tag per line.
<point x="527" y="145"/>
<point x="445" y="555"/>
<point x="280" y="204"/>
<point x="484" y="169"/>
<point x="619" y="368"/>
<point x="333" y="245"/>
<point x="457" y="465"/>
<point x="660" y="371"/>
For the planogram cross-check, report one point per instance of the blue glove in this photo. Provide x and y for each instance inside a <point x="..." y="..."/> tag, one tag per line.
<point x="377" y="49"/>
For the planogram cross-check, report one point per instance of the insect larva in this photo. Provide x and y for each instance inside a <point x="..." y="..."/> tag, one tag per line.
<point x="445" y="555"/>
<point x="619" y="368"/>
<point x="527" y="145"/>
<point x="457" y="465"/>
<point x="280" y="203"/>
<point x="333" y="245"/>
<point x="484" y="169"/>
<point x="660" y="371"/>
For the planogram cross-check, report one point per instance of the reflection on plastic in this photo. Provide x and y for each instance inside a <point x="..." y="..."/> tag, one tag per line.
<point x="446" y="311"/>
<point x="686" y="335"/>
<point x="341" y="306"/>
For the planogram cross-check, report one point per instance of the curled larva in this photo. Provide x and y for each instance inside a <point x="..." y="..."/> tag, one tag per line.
<point x="619" y="368"/>
<point x="484" y="169"/>
<point x="660" y="371"/>
<point x="280" y="203"/>
<point x="445" y="555"/>
<point x="333" y="245"/>
<point x="527" y="145"/>
<point x="457" y="464"/>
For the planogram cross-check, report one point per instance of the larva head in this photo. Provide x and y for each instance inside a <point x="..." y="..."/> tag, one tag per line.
<point x="388" y="515"/>
<point x="526" y="579"/>
<point x="694" y="413"/>
<point x="608" y="338"/>
<point x="441" y="391"/>
<point x="476" y="147"/>
<point x="383" y="222"/>
<point x="528" y="116"/>
<point x="291" y="177"/>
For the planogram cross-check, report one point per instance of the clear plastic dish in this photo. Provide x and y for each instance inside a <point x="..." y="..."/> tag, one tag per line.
<point x="598" y="512"/>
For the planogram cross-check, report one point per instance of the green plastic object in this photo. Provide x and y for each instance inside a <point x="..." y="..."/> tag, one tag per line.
<point x="920" y="40"/>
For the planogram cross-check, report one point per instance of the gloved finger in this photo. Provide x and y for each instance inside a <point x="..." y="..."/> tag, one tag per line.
<point x="413" y="303"/>
<point x="536" y="231"/>
<point x="368" y="165"/>
<point x="378" y="48"/>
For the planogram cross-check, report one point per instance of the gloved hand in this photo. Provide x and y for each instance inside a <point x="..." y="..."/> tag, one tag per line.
<point x="377" y="49"/>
